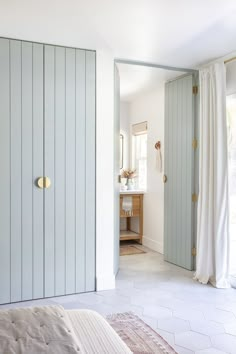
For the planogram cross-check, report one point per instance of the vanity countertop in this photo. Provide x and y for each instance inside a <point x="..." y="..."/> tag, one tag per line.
<point x="132" y="192"/>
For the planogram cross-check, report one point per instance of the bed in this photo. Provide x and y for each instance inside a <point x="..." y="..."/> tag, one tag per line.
<point x="51" y="329"/>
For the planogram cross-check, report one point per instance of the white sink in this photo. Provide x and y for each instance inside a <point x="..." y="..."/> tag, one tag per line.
<point x="135" y="191"/>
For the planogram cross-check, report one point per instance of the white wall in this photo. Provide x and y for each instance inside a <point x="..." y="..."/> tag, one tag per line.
<point x="105" y="170"/>
<point x="125" y="130"/>
<point x="47" y="22"/>
<point x="150" y="108"/>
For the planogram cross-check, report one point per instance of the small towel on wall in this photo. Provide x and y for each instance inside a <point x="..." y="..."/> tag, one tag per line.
<point x="127" y="205"/>
<point x="159" y="160"/>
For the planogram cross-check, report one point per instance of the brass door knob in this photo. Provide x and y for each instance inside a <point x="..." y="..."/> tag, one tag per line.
<point x="43" y="182"/>
<point x="164" y="179"/>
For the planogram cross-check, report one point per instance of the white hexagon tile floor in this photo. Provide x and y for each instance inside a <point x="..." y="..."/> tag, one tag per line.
<point x="193" y="318"/>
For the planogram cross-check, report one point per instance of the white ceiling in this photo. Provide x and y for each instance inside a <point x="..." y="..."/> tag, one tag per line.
<point x="182" y="33"/>
<point x="136" y="80"/>
<point x="178" y="33"/>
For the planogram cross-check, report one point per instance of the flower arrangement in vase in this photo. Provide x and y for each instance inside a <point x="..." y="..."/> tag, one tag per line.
<point x="128" y="179"/>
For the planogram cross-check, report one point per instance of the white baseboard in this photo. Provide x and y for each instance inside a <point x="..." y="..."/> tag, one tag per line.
<point x="153" y="245"/>
<point x="105" y="282"/>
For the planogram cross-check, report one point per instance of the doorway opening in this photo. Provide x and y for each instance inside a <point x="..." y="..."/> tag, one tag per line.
<point x="141" y="156"/>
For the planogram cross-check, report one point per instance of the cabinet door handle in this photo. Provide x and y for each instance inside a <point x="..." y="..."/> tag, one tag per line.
<point x="43" y="182"/>
<point x="164" y="179"/>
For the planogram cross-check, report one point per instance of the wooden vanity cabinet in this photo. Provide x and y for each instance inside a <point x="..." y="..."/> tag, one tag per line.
<point x="137" y="202"/>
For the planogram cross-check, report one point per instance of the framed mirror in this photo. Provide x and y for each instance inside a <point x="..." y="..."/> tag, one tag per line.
<point x="121" y="151"/>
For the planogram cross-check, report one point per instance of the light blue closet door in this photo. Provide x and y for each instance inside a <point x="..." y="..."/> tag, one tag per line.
<point x="69" y="212"/>
<point x="47" y="128"/>
<point x="21" y="161"/>
<point x="179" y="170"/>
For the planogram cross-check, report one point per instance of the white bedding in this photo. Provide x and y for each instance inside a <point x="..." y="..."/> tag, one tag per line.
<point x="52" y="330"/>
<point x="95" y="334"/>
<point x="37" y="330"/>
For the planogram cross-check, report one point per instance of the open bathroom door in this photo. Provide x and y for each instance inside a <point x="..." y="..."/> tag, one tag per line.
<point x="116" y="170"/>
<point x="180" y="196"/>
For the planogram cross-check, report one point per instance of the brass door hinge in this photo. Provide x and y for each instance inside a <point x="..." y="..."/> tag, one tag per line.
<point x="194" y="198"/>
<point x="195" y="90"/>
<point x="194" y="252"/>
<point x="194" y="144"/>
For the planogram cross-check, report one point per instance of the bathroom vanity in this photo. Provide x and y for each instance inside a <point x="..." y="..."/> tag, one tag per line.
<point x="135" y="200"/>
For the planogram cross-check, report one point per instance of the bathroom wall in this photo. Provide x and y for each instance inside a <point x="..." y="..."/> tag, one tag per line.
<point x="125" y="131"/>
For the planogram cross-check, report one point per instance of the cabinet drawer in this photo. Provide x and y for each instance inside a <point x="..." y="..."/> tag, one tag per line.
<point x="136" y="206"/>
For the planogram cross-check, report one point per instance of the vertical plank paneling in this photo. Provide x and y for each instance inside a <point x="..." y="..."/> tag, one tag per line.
<point x="47" y="237"/>
<point x="60" y="170"/>
<point x="174" y="174"/>
<point x="185" y="176"/>
<point x="196" y="106"/>
<point x="70" y="171"/>
<point x="80" y="167"/>
<point x="5" y="178"/>
<point x="27" y="178"/>
<point x="179" y="175"/>
<point x="15" y="99"/>
<point x="90" y="170"/>
<point x="182" y="182"/>
<point x="49" y="116"/>
<point x="166" y="166"/>
<point x="170" y="175"/>
<point x="37" y="133"/>
<point x="190" y="162"/>
<point x="179" y="169"/>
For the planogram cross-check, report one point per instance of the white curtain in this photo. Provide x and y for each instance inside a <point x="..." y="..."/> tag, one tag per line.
<point x="213" y="202"/>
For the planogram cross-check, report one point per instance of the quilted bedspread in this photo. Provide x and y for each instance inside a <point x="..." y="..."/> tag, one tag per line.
<point x="35" y="330"/>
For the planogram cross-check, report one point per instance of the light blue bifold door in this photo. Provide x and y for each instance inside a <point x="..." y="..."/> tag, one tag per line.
<point x="69" y="147"/>
<point x="47" y="129"/>
<point x="179" y="172"/>
<point x="21" y="162"/>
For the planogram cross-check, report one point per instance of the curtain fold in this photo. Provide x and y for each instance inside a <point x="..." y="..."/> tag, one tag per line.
<point x="213" y="203"/>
